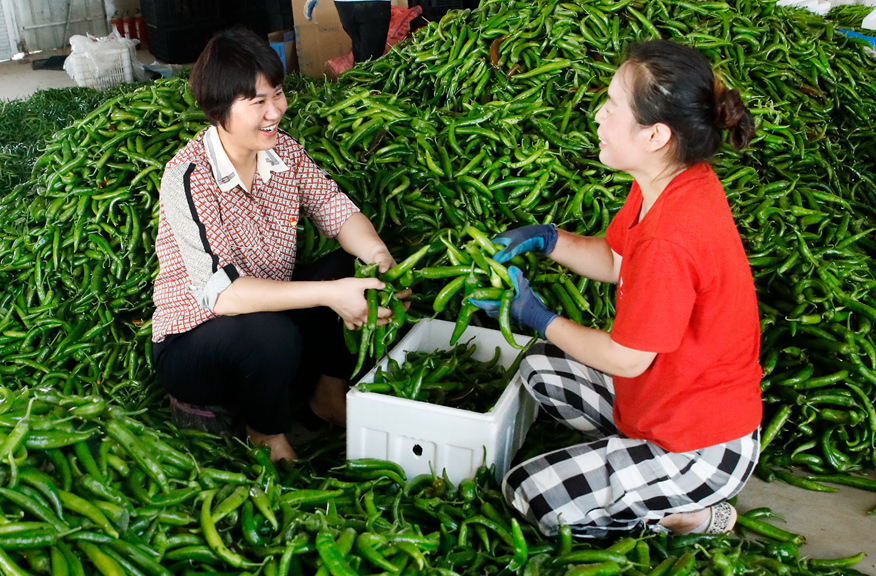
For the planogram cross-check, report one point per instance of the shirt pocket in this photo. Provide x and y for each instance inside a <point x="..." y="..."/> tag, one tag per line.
<point x="244" y="234"/>
<point x="247" y="245"/>
<point x="285" y="239"/>
<point x="286" y="216"/>
<point x="287" y="220"/>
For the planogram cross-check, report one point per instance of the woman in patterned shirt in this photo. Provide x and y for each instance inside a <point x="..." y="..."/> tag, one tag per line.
<point x="237" y="325"/>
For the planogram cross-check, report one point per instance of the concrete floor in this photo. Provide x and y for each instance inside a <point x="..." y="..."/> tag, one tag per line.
<point x="835" y="524"/>
<point x="18" y="79"/>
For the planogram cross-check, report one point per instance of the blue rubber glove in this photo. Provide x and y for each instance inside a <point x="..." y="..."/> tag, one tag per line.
<point x="538" y="238"/>
<point x="526" y="307"/>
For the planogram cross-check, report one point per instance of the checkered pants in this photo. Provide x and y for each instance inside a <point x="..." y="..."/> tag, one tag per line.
<point x="612" y="483"/>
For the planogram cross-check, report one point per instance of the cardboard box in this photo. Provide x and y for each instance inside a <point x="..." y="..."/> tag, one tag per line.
<point x="283" y="42"/>
<point x="423" y="437"/>
<point x="319" y="39"/>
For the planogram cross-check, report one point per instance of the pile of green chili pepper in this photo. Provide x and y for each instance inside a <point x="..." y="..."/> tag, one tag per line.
<point x="77" y="248"/>
<point x="26" y="124"/>
<point x="849" y="15"/>
<point x="87" y="488"/>
<point x="485" y="119"/>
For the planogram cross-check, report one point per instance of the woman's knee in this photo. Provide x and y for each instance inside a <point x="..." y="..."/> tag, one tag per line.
<point x="531" y="504"/>
<point x="269" y="332"/>
<point x="514" y="493"/>
<point x="267" y="343"/>
<point x="523" y="491"/>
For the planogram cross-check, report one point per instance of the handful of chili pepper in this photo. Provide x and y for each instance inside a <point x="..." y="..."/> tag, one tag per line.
<point x="373" y="340"/>
<point x="472" y="274"/>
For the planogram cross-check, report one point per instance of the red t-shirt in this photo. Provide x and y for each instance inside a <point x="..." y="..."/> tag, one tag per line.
<point x="686" y="292"/>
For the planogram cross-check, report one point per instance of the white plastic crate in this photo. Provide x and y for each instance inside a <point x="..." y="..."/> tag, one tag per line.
<point x="821" y="8"/>
<point x="423" y="437"/>
<point x="102" y="67"/>
<point x="870" y="21"/>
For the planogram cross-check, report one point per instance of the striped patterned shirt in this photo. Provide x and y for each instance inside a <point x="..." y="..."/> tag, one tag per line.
<point x="211" y="230"/>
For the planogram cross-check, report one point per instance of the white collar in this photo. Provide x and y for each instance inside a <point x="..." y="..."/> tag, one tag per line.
<point x="267" y="162"/>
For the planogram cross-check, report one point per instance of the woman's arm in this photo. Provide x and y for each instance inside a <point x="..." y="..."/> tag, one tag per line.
<point x="345" y="296"/>
<point x="595" y="348"/>
<point x="589" y="256"/>
<point x="359" y="238"/>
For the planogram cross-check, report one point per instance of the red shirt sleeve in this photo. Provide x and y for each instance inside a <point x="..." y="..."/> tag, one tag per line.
<point x="616" y="234"/>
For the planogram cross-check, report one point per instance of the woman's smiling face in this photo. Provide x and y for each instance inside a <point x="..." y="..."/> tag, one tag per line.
<point x="253" y="122"/>
<point x="621" y="137"/>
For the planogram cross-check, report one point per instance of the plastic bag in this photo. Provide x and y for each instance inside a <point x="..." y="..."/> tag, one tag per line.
<point x="103" y="62"/>
<point x="399" y="23"/>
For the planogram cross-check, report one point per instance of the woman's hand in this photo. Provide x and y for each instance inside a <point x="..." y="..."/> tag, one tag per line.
<point x="537" y="238"/>
<point x="526" y="307"/>
<point x="347" y="297"/>
<point x="383" y="258"/>
<point x="385" y="262"/>
<point x="359" y="238"/>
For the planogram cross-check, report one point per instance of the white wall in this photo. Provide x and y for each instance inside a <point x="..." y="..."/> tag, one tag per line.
<point x="48" y="24"/>
<point x="6" y="47"/>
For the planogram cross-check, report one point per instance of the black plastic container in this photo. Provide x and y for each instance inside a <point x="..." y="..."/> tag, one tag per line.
<point x="257" y="19"/>
<point x="176" y="13"/>
<point x="181" y="44"/>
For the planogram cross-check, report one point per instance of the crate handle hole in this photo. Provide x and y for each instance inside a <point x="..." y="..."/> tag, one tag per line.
<point x="418" y="450"/>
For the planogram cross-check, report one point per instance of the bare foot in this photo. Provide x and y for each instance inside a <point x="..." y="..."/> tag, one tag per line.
<point x="280" y="448"/>
<point x="683" y="523"/>
<point x="329" y="400"/>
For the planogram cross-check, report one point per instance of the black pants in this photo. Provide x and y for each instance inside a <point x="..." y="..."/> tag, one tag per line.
<point x="261" y="365"/>
<point x="367" y="24"/>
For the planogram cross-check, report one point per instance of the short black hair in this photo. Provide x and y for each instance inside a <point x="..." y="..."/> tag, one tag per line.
<point x="675" y="85"/>
<point x="229" y="68"/>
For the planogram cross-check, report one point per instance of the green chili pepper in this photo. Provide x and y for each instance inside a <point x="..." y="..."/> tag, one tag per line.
<point x="211" y="535"/>
<point x="768" y="530"/>
<point x="407" y="264"/>
<point x="332" y="557"/>
<point x="83" y="507"/>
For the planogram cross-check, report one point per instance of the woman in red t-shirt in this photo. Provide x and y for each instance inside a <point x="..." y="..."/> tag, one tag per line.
<point x="669" y="400"/>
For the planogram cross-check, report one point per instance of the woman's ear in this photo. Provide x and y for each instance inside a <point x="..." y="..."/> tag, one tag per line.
<point x="659" y="136"/>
